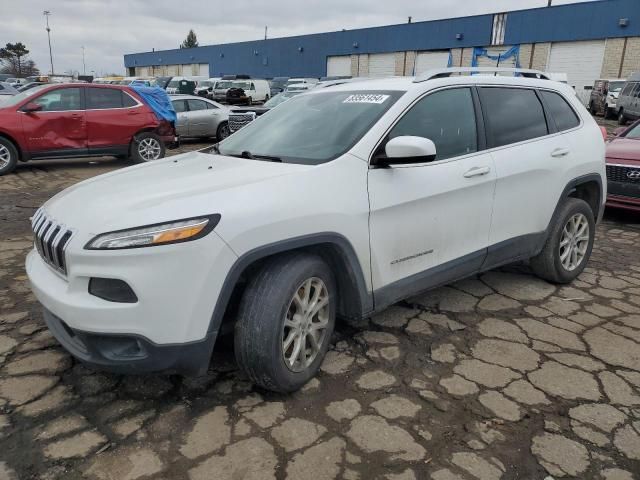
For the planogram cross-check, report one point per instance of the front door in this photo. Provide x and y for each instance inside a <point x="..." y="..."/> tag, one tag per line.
<point x="200" y="118"/>
<point x="429" y="222"/>
<point x="60" y="127"/>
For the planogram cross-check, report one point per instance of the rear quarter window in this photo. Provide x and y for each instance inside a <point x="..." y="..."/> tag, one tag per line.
<point x="560" y="111"/>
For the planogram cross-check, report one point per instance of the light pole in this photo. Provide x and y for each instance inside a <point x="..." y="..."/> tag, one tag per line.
<point x="46" y="14"/>
<point x="84" y="67"/>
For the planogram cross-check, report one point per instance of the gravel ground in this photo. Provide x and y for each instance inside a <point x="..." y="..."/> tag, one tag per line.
<point x="501" y="376"/>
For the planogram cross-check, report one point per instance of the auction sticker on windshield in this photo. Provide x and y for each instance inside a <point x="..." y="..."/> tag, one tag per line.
<point x="366" y="98"/>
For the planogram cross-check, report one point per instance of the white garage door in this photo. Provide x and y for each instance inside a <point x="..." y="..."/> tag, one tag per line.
<point x="382" y="65"/>
<point x="173" y="70"/>
<point x="339" y="66"/>
<point x="485" y="61"/>
<point x="430" y="60"/>
<point x="581" y="61"/>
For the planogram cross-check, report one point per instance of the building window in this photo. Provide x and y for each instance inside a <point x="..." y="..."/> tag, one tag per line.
<point x="499" y="28"/>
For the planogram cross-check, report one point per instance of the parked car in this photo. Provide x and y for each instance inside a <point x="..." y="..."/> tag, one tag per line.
<point x="6" y="89"/>
<point x="623" y="168"/>
<point x="219" y="93"/>
<point x="628" y="102"/>
<point x="277" y="85"/>
<point x="297" y="80"/>
<point x="204" y="88"/>
<point x="16" y="82"/>
<point x="339" y="202"/>
<point x="29" y="86"/>
<point x="248" y="92"/>
<point x="604" y="96"/>
<point x="239" y="117"/>
<point x="79" y="120"/>
<point x="200" y="117"/>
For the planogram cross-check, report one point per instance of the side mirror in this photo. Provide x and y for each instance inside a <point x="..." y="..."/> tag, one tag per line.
<point x="32" y="107"/>
<point x="409" y="149"/>
<point x="619" y="131"/>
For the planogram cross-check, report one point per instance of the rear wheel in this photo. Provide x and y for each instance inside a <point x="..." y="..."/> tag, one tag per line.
<point x="592" y="108"/>
<point x="147" y="147"/>
<point x="249" y="101"/>
<point x="285" y="321"/>
<point x="223" y="131"/>
<point x="569" y="244"/>
<point x="8" y="156"/>
<point x="607" y="112"/>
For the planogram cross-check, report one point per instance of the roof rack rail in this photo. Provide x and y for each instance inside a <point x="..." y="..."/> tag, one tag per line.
<point x="447" y="72"/>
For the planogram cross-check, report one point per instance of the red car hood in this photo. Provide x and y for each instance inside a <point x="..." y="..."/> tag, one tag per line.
<point x="624" y="149"/>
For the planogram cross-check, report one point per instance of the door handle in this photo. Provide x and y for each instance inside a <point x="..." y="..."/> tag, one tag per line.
<point x="560" y="152"/>
<point x="477" y="172"/>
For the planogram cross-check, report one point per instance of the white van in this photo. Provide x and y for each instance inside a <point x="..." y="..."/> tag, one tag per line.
<point x="248" y="91"/>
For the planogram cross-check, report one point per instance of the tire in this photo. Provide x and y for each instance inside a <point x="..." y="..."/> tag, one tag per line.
<point x="249" y="101"/>
<point x="146" y="147"/>
<point x="261" y="332"/>
<point x="8" y="156"/>
<point x="592" y="109"/>
<point x="607" y="112"/>
<point x="223" y="131"/>
<point x="549" y="264"/>
<point x="622" y="119"/>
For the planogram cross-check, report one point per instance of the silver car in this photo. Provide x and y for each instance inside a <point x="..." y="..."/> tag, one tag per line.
<point x="200" y="117"/>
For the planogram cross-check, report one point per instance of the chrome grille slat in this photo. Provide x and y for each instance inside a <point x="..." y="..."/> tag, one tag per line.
<point x="51" y="239"/>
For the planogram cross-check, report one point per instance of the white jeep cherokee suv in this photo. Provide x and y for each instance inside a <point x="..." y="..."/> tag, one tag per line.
<point x="338" y="203"/>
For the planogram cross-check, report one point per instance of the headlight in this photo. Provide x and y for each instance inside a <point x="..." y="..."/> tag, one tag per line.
<point x="157" y="234"/>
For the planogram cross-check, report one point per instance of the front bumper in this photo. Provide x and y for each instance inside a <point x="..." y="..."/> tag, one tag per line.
<point x="626" y="203"/>
<point x="131" y="354"/>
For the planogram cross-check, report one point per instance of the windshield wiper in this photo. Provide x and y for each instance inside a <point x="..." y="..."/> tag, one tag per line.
<point x="251" y="156"/>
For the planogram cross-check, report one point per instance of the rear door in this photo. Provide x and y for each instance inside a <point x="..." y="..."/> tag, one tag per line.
<point x="526" y="159"/>
<point x="60" y="127"/>
<point x="113" y="118"/>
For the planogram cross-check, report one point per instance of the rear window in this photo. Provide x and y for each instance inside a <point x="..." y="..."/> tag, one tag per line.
<point x="513" y="115"/>
<point x="627" y="89"/>
<point x="563" y="115"/>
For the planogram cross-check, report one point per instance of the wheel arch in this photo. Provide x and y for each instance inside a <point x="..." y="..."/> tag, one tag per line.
<point x="21" y="156"/>
<point x="355" y="300"/>
<point x="587" y="188"/>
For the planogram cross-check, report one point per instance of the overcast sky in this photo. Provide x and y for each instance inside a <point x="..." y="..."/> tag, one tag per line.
<point x="110" y="28"/>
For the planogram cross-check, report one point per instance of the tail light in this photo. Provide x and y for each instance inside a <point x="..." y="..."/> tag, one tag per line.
<point x="165" y="128"/>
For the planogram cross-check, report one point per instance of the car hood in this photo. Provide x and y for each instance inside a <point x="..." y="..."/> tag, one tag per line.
<point x="183" y="186"/>
<point x="624" y="148"/>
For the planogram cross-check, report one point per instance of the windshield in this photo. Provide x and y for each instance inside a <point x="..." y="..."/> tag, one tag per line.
<point x="223" y="85"/>
<point x="279" y="98"/>
<point x="242" y="85"/>
<point x="633" y="133"/>
<point x="615" y="87"/>
<point x="206" y="84"/>
<point x="16" y="99"/>
<point x="311" y="129"/>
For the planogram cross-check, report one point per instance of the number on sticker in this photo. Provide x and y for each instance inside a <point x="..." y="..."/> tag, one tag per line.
<point x="366" y="98"/>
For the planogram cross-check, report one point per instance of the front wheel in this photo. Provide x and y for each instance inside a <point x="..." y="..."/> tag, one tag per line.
<point x="285" y="321"/>
<point x="622" y="119"/>
<point x="569" y="244"/>
<point x="147" y="147"/>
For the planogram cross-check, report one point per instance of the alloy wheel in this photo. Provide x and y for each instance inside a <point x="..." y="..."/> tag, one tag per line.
<point x="574" y="242"/>
<point x="149" y="149"/>
<point x="5" y="156"/>
<point x="224" y="132"/>
<point x="305" y="324"/>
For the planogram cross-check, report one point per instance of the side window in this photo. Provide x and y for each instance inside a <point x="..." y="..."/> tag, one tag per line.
<point x="513" y="115"/>
<point x="627" y="89"/>
<point x="179" y="106"/>
<point x="253" y="87"/>
<point x="447" y="118"/>
<point x="60" y="100"/>
<point x="103" y="98"/>
<point x="197" y="105"/>
<point x="211" y="106"/>
<point x="636" y="91"/>
<point x="128" y="100"/>
<point x="560" y="111"/>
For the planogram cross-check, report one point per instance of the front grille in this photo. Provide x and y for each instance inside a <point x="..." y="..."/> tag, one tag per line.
<point x="239" y="120"/>
<point x="51" y="238"/>
<point x="623" y="174"/>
